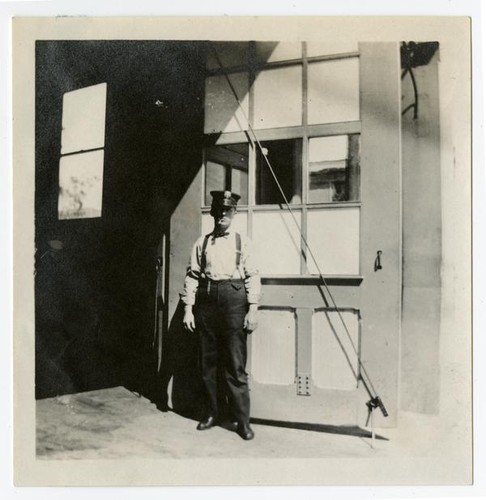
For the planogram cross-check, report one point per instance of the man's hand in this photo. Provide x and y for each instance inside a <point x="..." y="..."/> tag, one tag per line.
<point x="188" y="320"/>
<point x="251" y="318"/>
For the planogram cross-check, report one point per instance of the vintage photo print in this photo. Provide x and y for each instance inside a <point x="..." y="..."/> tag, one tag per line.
<point x="242" y="251"/>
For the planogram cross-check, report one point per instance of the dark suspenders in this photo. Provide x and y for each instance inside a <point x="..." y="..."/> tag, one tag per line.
<point x="205" y="245"/>
<point x="238" y="250"/>
<point x="203" y="253"/>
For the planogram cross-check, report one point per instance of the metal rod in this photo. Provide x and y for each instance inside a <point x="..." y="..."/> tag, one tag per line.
<point x="372" y="430"/>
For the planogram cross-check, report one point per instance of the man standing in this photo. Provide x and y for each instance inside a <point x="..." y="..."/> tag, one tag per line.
<point x="223" y="283"/>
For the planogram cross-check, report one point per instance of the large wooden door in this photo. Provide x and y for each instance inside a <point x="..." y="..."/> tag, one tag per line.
<point x="304" y="363"/>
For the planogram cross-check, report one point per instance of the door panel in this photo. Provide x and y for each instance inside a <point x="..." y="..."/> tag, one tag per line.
<point x="335" y="350"/>
<point x="273" y="349"/>
<point x="298" y="371"/>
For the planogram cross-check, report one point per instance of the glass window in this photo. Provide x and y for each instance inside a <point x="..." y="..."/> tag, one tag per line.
<point x="333" y="169"/>
<point x="341" y="226"/>
<point x="82" y="154"/>
<point x="276" y="241"/>
<point x="285" y="157"/>
<point x="215" y="179"/>
<point x="279" y="107"/>
<point x="227" y="169"/>
<point x="222" y="112"/>
<point x="278" y="98"/>
<point x="81" y="185"/>
<point x="333" y="94"/>
<point x="83" y="119"/>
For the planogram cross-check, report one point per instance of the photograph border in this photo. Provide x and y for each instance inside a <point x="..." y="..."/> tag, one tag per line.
<point x="33" y="473"/>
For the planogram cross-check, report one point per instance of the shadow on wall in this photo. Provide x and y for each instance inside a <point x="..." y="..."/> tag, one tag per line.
<point x="95" y="298"/>
<point x="92" y="320"/>
<point x="180" y="363"/>
<point x="69" y="356"/>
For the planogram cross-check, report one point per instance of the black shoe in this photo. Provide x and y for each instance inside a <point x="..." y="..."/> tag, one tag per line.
<point x="206" y="423"/>
<point x="232" y="426"/>
<point x="245" y="431"/>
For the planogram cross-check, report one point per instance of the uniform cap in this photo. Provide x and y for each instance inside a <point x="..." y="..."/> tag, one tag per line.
<point x="224" y="199"/>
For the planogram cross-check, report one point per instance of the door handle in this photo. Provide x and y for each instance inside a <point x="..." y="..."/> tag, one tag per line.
<point x="378" y="261"/>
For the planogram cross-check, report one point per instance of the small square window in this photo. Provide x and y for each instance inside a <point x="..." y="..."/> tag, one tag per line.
<point x="227" y="169"/>
<point x="276" y="241"/>
<point x="222" y="111"/>
<point x="285" y="157"/>
<point x="278" y="97"/>
<point x="83" y="119"/>
<point x="333" y="169"/>
<point x="81" y="185"/>
<point x="333" y="92"/>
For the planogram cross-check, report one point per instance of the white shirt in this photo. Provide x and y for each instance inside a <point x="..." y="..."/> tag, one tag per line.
<point x="221" y="265"/>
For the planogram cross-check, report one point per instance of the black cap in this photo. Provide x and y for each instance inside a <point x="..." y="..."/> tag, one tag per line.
<point x="224" y="199"/>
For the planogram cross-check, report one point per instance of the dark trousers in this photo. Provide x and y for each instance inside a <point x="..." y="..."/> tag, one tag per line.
<point x="220" y="313"/>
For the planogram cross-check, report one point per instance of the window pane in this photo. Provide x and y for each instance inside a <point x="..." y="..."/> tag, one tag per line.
<point x="83" y="119"/>
<point x="340" y="226"/>
<point x="276" y="242"/>
<point x="229" y="53"/>
<point x="227" y="169"/>
<point x="278" y="98"/>
<point x="334" y="358"/>
<point x="239" y="184"/>
<point x="333" y="169"/>
<point x="333" y="94"/>
<point x="330" y="48"/>
<point x="222" y="112"/>
<point x="277" y="51"/>
<point x="285" y="157"/>
<point x="215" y="180"/>
<point x="81" y="185"/>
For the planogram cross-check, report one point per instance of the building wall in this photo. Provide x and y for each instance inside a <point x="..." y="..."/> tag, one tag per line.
<point x="455" y="350"/>
<point x="180" y="376"/>
<point x="422" y="246"/>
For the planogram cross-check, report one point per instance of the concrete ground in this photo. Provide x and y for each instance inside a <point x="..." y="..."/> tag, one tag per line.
<point x="115" y="423"/>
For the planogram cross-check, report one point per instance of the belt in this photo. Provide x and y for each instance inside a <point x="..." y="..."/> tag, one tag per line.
<point x="206" y="283"/>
